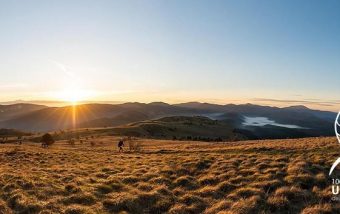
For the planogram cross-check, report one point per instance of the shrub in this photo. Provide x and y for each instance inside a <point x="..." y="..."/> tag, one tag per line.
<point x="71" y="142"/>
<point x="135" y="146"/>
<point x="46" y="140"/>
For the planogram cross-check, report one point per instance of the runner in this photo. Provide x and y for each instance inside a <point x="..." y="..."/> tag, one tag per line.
<point x="120" y="145"/>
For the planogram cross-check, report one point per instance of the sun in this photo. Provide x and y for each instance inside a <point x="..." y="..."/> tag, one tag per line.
<point x="73" y="95"/>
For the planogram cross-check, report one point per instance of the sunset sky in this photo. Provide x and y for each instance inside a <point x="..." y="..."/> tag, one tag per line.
<point x="268" y="52"/>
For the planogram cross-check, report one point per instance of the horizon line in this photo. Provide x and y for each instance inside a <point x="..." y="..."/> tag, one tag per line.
<point x="59" y="103"/>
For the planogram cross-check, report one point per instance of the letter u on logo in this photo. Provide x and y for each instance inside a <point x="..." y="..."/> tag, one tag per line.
<point x="335" y="191"/>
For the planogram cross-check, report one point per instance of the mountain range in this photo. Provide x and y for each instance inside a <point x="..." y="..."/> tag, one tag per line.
<point x="246" y="120"/>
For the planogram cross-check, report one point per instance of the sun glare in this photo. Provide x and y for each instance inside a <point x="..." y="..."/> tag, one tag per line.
<point x="73" y="96"/>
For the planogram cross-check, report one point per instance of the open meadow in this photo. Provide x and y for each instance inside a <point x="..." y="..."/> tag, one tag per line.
<point x="269" y="176"/>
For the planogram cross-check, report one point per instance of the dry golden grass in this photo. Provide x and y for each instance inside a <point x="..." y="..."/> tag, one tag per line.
<point x="271" y="176"/>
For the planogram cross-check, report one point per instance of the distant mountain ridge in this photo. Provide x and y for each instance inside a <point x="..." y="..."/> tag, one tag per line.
<point x="18" y="109"/>
<point x="38" y="118"/>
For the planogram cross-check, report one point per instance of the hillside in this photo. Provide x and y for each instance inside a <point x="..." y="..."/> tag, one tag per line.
<point x="91" y="115"/>
<point x="12" y="132"/>
<point x="15" y="110"/>
<point x="307" y="122"/>
<point x="271" y="176"/>
<point x="200" y="128"/>
<point x="181" y="128"/>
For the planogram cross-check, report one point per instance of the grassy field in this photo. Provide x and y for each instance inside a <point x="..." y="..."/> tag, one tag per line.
<point x="272" y="176"/>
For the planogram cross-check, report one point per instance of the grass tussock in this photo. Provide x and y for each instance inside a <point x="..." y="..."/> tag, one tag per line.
<point x="271" y="176"/>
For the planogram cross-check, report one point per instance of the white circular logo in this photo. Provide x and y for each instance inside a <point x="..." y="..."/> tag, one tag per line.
<point x="337" y="131"/>
<point x="337" y="126"/>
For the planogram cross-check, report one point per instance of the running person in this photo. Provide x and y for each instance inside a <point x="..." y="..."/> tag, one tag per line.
<point x="120" y="145"/>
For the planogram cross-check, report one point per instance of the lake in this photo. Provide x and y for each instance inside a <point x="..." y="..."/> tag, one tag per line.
<point x="262" y="121"/>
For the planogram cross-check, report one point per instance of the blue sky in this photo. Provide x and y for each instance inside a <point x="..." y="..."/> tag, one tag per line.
<point x="266" y="52"/>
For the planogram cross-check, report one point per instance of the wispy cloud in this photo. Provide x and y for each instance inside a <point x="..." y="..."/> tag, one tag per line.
<point x="64" y="68"/>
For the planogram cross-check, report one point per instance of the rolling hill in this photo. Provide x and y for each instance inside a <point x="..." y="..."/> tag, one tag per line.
<point x="307" y="122"/>
<point x="12" y="132"/>
<point x="15" y="110"/>
<point x="92" y="115"/>
<point x="181" y="128"/>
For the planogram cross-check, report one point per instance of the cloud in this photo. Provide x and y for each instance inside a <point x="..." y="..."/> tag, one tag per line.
<point x="65" y="69"/>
